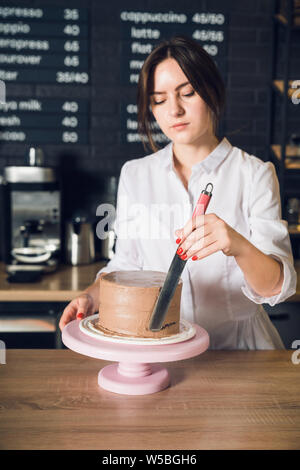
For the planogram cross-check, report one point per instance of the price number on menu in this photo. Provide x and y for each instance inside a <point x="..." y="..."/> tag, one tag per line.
<point x="70" y="121"/>
<point x="69" y="137"/>
<point x="208" y="18"/>
<point x="72" y="29"/>
<point x="72" y="61"/>
<point x="72" y="46"/>
<point x="211" y="49"/>
<point x="70" y="106"/>
<point x="71" y="14"/>
<point x="206" y="35"/>
<point x="72" y="77"/>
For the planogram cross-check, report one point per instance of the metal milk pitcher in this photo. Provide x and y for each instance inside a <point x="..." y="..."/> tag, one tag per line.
<point x="80" y="242"/>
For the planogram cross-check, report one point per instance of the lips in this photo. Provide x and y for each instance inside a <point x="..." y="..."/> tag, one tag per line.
<point x="179" y="125"/>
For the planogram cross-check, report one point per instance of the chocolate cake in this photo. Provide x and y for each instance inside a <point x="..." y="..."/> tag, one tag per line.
<point x="127" y="299"/>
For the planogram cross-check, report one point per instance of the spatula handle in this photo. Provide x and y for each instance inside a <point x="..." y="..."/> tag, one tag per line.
<point x="203" y="201"/>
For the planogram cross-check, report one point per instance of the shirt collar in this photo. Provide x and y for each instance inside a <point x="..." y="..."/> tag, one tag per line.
<point x="209" y="164"/>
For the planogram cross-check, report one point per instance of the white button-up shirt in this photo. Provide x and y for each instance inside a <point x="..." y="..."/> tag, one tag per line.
<point x="153" y="202"/>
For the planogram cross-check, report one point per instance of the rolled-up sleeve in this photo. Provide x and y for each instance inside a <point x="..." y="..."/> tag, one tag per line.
<point x="126" y="255"/>
<point x="269" y="233"/>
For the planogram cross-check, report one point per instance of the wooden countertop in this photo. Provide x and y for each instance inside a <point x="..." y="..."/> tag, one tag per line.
<point x="66" y="283"/>
<point x="62" y="285"/>
<point x="50" y="399"/>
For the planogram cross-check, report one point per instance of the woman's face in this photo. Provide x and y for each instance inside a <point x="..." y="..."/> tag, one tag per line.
<point x="181" y="113"/>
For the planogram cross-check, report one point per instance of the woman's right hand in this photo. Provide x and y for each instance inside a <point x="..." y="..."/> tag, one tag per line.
<point x="80" y="307"/>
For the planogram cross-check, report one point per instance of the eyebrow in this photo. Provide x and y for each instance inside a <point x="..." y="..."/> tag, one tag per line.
<point x="177" y="88"/>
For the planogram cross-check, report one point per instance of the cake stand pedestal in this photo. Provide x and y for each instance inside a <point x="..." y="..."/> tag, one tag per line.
<point x="135" y="373"/>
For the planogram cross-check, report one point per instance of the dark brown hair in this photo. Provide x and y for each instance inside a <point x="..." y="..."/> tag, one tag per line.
<point x="199" y="68"/>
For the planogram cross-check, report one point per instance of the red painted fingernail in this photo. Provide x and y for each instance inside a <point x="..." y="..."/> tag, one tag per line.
<point x="183" y="256"/>
<point x="80" y="316"/>
<point x="180" y="250"/>
<point x="178" y="240"/>
<point x="194" y="258"/>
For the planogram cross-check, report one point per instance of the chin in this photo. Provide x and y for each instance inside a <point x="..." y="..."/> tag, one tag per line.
<point x="185" y="140"/>
<point x="190" y="139"/>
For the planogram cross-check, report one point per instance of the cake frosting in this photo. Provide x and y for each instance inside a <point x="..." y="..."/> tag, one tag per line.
<point x="127" y="300"/>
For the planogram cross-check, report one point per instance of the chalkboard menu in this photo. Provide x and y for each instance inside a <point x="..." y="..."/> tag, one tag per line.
<point x="141" y="31"/>
<point x="44" y="45"/>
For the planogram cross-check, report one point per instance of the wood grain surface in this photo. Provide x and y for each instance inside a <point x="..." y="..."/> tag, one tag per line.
<point x="50" y="399"/>
<point x="62" y="285"/>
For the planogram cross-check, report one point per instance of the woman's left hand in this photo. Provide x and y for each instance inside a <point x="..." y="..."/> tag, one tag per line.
<point x="206" y="234"/>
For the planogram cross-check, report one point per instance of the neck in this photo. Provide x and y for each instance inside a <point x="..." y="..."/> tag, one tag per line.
<point x="187" y="155"/>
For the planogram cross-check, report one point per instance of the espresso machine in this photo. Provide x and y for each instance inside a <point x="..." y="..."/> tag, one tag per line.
<point x="31" y="219"/>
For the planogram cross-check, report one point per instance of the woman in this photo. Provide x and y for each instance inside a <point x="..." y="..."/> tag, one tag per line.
<point x="238" y="254"/>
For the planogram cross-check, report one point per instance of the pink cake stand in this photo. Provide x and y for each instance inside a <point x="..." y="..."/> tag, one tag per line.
<point x="133" y="374"/>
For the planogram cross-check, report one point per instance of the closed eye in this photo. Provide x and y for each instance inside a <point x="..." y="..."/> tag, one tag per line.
<point x="163" y="101"/>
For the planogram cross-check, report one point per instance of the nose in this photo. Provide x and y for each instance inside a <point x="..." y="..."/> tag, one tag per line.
<point x="175" y="107"/>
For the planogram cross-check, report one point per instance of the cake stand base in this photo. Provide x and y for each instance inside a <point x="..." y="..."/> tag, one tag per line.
<point x="127" y="376"/>
<point x="133" y="379"/>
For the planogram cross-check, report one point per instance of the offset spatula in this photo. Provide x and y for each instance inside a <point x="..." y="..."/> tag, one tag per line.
<point x="175" y="270"/>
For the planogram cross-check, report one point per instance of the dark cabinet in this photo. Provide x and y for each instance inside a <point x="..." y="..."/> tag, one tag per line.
<point x="31" y="325"/>
<point x="286" y="318"/>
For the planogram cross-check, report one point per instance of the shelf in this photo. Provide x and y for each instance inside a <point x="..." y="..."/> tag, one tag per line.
<point x="283" y="20"/>
<point x="294" y="230"/>
<point x="286" y="158"/>
<point x="20" y="323"/>
<point x="292" y="156"/>
<point x="279" y="86"/>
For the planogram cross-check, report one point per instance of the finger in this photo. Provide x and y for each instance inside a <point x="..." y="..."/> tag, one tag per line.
<point x="189" y="241"/>
<point x="84" y="304"/>
<point x="68" y="315"/>
<point x="86" y="313"/>
<point x="191" y="225"/>
<point x="196" y="236"/>
<point x="201" y="244"/>
<point x="207" y="251"/>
